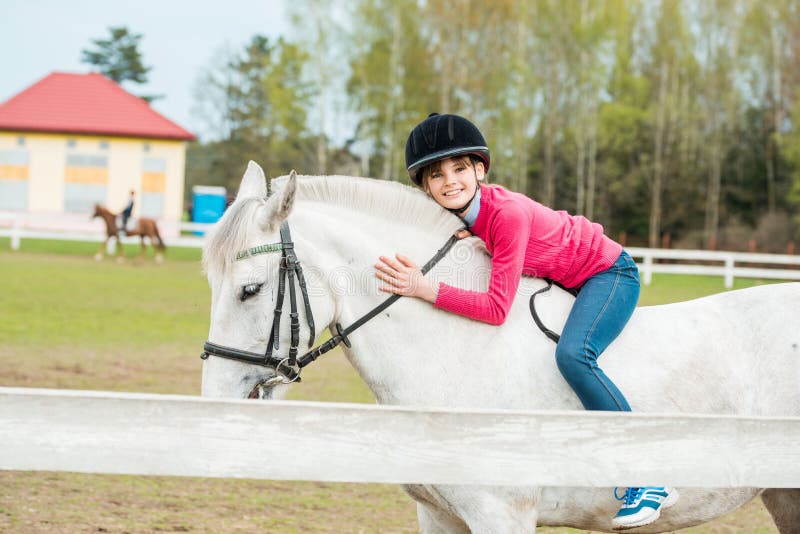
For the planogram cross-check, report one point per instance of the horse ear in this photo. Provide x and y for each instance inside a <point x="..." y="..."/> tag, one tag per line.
<point x="253" y="183"/>
<point x="279" y="205"/>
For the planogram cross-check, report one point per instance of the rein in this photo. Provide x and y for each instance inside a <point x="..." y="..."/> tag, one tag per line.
<point x="291" y="366"/>
<point x="554" y="337"/>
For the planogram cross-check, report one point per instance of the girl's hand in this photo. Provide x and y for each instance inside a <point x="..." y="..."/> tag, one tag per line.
<point x="404" y="278"/>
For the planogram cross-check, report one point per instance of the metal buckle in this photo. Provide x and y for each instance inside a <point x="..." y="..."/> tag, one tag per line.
<point x="295" y="368"/>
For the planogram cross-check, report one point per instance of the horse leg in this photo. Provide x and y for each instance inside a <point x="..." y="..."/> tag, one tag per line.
<point x="435" y="521"/>
<point x="784" y="506"/>
<point x="143" y="248"/>
<point x="486" y="510"/>
<point x="98" y="256"/>
<point x="120" y="251"/>
<point x="158" y="245"/>
<point x="432" y="513"/>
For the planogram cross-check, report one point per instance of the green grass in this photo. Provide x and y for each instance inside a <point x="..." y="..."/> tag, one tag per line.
<point x="67" y="321"/>
<point x="86" y="249"/>
<point x="667" y="288"/>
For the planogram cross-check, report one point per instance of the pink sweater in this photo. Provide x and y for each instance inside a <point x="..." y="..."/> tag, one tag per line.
<point x="525" y="237"/>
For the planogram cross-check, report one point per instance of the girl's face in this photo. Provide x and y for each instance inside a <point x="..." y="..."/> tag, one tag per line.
<point x="452" y="182"/>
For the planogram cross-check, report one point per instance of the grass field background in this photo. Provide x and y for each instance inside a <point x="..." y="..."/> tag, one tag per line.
<point x="67" y="321"/>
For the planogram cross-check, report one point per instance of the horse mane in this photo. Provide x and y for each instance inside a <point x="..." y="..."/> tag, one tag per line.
<point x="230" y="234"/>
<point x="387" y="200"/>
<point x="379" y="198"/>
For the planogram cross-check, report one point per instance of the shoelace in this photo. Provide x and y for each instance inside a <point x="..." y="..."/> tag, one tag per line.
<point x="630" y="496"/>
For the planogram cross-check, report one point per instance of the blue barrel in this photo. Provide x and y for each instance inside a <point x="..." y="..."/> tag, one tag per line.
<point x="208" y="204"/>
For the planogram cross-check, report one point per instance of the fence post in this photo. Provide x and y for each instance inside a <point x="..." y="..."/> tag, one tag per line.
<point x="728" y="272"/>
<point x="647" y="269"/>
<point x="15" y="232"/>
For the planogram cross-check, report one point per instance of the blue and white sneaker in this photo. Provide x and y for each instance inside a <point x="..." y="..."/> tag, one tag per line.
<point x="642" y="506"/>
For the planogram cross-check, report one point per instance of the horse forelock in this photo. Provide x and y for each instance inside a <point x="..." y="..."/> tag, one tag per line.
<point x="230" y="235"/>
<point x="391" y="201"/>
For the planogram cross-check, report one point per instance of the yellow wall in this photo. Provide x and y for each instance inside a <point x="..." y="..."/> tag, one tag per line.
<point x="47" y="171"/>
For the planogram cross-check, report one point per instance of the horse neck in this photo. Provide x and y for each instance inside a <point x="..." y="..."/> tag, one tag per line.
<point x="348" y="242"/>
<point x="108" y="218"/>
<point x="393" y="350"/>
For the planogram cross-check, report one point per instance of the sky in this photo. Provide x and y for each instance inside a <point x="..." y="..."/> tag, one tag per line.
<point x="180" y="39"/>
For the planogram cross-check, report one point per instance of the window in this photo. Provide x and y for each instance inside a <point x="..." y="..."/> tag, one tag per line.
<point x="146" y="147"/>
<point x="85" y="181"/>
<point x="14" y="179"/>
<point x="21" y="140"/>
<point x="103" y="145"/>
<point x="71" y="143"/>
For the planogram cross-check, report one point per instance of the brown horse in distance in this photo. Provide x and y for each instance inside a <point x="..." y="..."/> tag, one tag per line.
<point x="145" y="227"/>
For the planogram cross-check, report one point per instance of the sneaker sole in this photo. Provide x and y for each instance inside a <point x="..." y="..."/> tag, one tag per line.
<point x="671" y="499"/>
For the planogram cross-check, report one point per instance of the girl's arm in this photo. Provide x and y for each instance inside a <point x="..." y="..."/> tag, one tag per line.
<point x="509" y="233"/>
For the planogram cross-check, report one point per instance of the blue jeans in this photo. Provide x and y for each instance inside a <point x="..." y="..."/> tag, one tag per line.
<point x="602" y="308"/>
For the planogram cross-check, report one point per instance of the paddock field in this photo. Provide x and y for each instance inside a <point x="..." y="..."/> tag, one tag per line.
<point x="67" y="321"/>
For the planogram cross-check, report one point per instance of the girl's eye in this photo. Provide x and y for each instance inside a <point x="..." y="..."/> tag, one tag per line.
<point x="249" y="290"/>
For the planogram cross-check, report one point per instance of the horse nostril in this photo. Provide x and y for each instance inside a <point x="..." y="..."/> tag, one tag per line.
<point x="259" y="391"/>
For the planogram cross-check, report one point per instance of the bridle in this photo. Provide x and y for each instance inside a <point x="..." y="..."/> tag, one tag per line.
<point x="288" y="369"/>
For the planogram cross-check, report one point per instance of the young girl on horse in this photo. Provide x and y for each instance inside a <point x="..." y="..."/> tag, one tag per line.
<point x="447" y="156"/>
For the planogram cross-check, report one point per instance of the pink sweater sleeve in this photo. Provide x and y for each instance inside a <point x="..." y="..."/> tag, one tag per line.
<point x="509" y="233"/>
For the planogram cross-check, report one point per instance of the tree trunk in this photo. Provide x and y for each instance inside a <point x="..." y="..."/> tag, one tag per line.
<point x="580" y="164"/>
<point x="774" y="132"/>
<point x="390" y="150"/>
<point x="656" y="185"/>
<point x="713" y="195"/>
<point x="592" y="172"/>
<point x="549" y="186"/>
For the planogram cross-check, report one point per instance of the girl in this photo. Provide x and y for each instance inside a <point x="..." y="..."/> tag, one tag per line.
<point x="447" y="156"/>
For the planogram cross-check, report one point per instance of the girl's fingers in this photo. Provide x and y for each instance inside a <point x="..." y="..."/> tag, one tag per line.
<point x="394" y="264"/>
<point x="386" y="278"/>
<point x="405" y="260"/>
<point x="384" y="268"/>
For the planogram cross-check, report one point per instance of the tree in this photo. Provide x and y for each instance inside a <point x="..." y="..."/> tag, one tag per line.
<point x="256" y="101"/>
<point x="391" y="79"/>
<point x="118" y="57"/>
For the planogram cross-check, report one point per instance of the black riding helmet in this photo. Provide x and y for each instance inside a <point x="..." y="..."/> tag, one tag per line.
<point x="443" y="136"/>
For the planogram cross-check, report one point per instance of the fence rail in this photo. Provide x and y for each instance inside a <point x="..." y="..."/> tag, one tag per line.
<point x="145" y="434"/>
<point x="13" y="228"/>
<point x="726" y="264"/>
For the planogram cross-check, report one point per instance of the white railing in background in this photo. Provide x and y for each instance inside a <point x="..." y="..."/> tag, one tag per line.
<point x="728" y="265"/>
<point x="12" y="226"/>
<point x="146" y="434"/>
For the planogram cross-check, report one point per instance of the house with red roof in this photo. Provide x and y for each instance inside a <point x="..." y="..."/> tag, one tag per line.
<point x="72" y="140"/>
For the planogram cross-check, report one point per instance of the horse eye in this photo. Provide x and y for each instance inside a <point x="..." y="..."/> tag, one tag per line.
<point x="249" y="290"/>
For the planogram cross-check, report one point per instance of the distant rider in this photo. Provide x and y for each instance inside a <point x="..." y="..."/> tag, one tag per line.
<point x="126" y="213"/>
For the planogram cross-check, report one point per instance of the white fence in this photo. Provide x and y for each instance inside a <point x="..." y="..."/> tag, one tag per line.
<point x="728" y="265"/>
<point x="145" y="434"/>
<point x="15" y="229"/>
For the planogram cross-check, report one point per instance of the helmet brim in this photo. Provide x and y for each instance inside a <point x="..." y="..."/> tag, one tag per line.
<point x="480" y="151"/>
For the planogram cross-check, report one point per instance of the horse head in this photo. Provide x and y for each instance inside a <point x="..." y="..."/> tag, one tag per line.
<point x="243" y="258"/>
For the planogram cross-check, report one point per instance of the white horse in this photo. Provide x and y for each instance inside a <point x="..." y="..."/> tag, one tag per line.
<point x="733" y="353"/>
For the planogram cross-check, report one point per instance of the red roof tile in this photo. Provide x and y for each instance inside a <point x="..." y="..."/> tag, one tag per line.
<point x="85" y="104"/>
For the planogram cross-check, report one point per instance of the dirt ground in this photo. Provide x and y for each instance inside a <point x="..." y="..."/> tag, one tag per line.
<point x="67" y="502"/>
